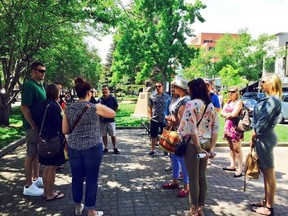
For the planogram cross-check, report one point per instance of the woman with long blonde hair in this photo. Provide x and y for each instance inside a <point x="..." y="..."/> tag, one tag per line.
<point x="264" y="139"/>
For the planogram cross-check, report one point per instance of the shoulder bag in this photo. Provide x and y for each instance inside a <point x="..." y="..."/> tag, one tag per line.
<point x="48" y="147"/>
<point x="182" y="146"/>
<point x="252" y="168"/>
<point x="65" y="144"/>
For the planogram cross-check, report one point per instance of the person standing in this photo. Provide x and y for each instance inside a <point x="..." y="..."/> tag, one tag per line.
<point x="85" y="147"/>
<point x="173" y="119"/>
<point x="33" y="93"/>
<point x="156" y="110"/>
<point x="200" y="122"/>
<point x="52" y="126"/>
<point x="108" y="125"/>
<point x="265" y="116"/>
<point x="230" y="112"/>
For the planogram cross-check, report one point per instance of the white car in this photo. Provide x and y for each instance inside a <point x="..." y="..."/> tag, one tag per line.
<point x="284" y="111"/>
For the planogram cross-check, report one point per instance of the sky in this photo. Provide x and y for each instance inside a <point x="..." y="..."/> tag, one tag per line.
<point x="229" y="16"/>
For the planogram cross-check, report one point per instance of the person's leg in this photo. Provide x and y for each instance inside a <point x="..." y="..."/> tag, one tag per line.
<point x="77" y="170"/>
<point x="238" y="157"/>
<point x="93" y="157"/>
<point x="113" y="139"/>
<point x="202" y="178"/>
<point x="192" y="167"/>
<point x="184" y="172"/>
<point x="175" y="169"/>
<point x="32" y="154"/>
<point x="154" y="134"/>
<point x="45" y="180"/>
<point x="50" y="180"/>
<point x="270" y="186"/>
<point x="232" y="155"/>
<point x="36" y="167"/>
<point x="103" y="129"/>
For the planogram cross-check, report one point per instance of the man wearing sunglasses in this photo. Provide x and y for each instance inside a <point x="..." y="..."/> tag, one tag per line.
<point x="156" y="109"/>
<point x="33" y="93"/>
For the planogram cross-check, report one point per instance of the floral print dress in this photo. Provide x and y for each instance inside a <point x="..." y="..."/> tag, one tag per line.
<point x="230" y="131"/>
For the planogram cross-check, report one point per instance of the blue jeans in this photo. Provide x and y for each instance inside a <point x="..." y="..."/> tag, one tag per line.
<point x="176" y="161"/>
<point x="85" y="165"/>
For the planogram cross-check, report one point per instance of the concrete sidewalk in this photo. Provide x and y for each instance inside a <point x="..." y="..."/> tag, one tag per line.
<point x="130" y="184"/>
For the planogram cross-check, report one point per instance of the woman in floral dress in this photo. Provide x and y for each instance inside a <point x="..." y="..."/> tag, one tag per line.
<point x="230" y="112"/>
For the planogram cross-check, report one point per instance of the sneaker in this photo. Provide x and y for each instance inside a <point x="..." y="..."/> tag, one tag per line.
<point x="33" y="190"/>
<point x="105" y="151"/>
<point x="151" y="153"/>
<point x="78" y="211"/>
<point x="183" y="193"/>
<point x="38" y="182"/>
<point x="116" y="151"/>
<point x="170" y="186"/>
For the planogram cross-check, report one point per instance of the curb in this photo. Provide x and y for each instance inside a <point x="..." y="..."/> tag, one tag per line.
<point x="9" y="148"/>
<point x="15" y="144"/>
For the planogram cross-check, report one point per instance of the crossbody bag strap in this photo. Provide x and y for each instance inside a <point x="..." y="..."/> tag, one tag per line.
<point x="202" y="115"/>
<point x="79" y="117"/>
<point x="43" y="120"/>
<point x="198" y="122"/>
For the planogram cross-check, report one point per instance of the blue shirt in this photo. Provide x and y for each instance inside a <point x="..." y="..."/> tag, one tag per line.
<point x="110" y="102"/>
<point x="266" y="113"/>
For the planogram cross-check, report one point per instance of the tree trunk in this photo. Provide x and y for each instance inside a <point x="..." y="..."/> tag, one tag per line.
<point x="5" y="110"/>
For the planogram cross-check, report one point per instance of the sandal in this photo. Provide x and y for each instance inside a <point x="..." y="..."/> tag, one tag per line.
<point x="55" y="197"/>
<point x="194" y="212"/>
<point x="264" y="210"/>
<point x="258" y="204"/>
<point x="200" y="212"/>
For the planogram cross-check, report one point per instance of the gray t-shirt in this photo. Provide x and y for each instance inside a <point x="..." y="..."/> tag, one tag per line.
<point x="86" y="134"/>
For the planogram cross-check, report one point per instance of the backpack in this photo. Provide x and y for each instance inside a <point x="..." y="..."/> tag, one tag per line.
<point x="244" y="121"/>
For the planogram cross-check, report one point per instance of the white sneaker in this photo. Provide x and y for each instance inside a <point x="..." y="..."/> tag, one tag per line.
<point x="78" y="211"/>
<point x="38" y="182"/>
<point x="100" y="213"/>
<point x="33" y="190"/>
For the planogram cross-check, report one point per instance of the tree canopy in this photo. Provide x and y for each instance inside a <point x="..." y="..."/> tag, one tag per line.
<point x="150" y="43"/>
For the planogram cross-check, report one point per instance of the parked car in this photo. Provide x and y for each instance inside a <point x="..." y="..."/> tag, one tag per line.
<point x="255" y="95"/>
<point x="249" y="103"/>
<point x="284" y="111"/>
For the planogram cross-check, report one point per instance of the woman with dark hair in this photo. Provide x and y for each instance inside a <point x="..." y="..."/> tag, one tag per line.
<point x="200" y="123"/>
<point x="85" y="146"/>
<point x="52" y="126"/>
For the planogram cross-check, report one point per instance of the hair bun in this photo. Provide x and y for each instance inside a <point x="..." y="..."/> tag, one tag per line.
<point x="79" y="80"/>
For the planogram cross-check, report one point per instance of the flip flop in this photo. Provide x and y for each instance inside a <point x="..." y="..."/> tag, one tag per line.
<point x="229" y="169"/>
<point x="57" y="196"/>
<point x="55" y="192"/>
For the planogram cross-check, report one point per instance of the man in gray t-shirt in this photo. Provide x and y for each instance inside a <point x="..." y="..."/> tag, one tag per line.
<point x="156" y="108"/>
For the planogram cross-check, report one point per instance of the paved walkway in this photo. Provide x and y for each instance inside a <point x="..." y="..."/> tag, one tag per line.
<point x="130" y="184"/>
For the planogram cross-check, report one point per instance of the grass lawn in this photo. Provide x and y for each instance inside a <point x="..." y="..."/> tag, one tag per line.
<point x="123" y="118"/>
<point x="14" y="131"/>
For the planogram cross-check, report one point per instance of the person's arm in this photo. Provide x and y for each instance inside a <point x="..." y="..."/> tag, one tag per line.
<point x="236" y="110"/>
<point x="27" y="115"/>
<point x="65" y="125"/>
<point x="105" y="111"/>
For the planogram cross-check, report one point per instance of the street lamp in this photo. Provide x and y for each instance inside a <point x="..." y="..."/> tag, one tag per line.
<point x="286" y="61"/>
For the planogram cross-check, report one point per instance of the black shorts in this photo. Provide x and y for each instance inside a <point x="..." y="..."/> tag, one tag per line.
<point x="156" y="128"/>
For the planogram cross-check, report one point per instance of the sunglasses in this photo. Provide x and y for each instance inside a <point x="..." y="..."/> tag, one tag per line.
<point x="158" y="86"/>
<point x="231" y="91"/>
<point x="40" y="70"/>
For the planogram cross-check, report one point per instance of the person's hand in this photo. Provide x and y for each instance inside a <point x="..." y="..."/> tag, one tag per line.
<point x="212" y="154"/>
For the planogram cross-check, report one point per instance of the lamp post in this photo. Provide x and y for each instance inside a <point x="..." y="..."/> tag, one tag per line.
<point x="286" y="61"/>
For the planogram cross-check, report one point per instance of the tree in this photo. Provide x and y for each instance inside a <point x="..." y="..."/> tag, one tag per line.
<point x="28" y="27"/>
<point x="154" y="43"/>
